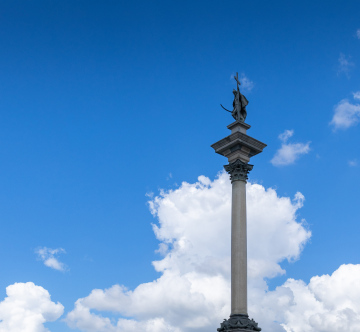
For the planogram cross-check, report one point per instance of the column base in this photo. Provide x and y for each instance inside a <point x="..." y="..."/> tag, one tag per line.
<point x="238" y="323"/>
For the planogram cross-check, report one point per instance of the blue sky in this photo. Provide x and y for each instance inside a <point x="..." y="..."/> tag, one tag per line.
<point x="106" y="105"/>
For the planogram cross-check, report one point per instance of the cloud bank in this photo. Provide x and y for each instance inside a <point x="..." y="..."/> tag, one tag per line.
<point x="193" y="292"/>
<point x="329" y="303"/>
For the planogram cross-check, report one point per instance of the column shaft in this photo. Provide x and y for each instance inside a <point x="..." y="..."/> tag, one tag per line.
<point x="238" y="249"/>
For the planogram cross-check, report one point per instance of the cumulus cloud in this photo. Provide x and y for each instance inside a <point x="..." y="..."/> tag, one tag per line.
<point x="49" y="257"/>
<point x="346" y="114"/>
<point x="289" y="152"/>
<point x="26" y="308"/>
<point x="329" y="303"/>
<point x="193" y="291"/>
<point x="345" y="65"/>
<point x="358" y="33"/>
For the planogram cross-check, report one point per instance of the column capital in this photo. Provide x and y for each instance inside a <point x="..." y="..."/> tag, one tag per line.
<point x="238" y="170"/>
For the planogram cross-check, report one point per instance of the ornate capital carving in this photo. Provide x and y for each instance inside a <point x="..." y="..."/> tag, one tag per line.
<point x="238" y="170"/>
<point x="238" y="323"/>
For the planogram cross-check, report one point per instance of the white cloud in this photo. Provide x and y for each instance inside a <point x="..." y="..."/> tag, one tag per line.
<point x="346" y="114"/>
<point x="353" y="163"/>
<point x="329" y="303"/>
<point x="358" y="33"/>
<point x="26" y="308"/>
<point x="193" y="291"/>
<point x="289" y="152"/>
<point x="356" y="95"/>
<point x="246" y="83"/>
<point x="286" y="135"/>
<point x="345" y="65"/>
<point x="48" y="256"/>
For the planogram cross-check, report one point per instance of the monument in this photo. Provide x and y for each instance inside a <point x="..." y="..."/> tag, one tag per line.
<point x="238" y="147"/>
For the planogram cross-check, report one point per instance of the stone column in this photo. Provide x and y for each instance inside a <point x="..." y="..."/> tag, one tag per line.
<point x="238" y="148"/>
<point x="238" y="174"/>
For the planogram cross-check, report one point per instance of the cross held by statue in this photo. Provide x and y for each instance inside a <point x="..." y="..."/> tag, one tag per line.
<point x="237" y="80"/>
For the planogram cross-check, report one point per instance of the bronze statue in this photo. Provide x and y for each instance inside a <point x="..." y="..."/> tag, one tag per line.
<point x="239" y="104"/>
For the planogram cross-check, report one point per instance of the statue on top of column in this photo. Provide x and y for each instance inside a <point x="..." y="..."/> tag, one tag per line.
<point x="239" y="104"/>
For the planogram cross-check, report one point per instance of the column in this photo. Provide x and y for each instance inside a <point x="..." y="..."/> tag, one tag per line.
<point x="238" y="171"/>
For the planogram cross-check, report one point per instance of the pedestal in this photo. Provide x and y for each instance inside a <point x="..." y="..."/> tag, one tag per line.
<point x="238" y="323"/>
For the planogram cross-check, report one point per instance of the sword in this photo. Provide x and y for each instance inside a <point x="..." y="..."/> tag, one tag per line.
<point x="225" y="108"/>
